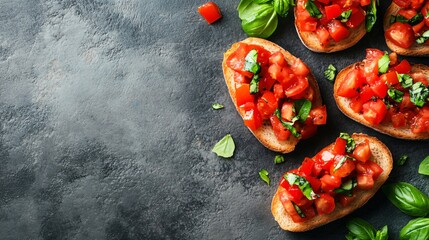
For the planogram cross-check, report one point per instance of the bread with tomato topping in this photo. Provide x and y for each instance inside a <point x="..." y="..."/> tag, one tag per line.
<point x="265" y="133"/>
<point x="415" y="49"/>
<point x="343" y="104"/>
<point x="380" y="155"/>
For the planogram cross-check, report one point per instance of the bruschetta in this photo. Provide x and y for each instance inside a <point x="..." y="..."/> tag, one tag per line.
<point x="406" y="26"/>
<point x="331" y="26"/>
<point x="339" y="179"/>
<point x="386" y="94"/>
<point x="274" y="92"/>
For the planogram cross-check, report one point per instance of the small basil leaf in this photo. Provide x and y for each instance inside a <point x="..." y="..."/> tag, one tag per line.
<point x="302" y="183"/>
<point x="298" y="210"/>
<point x="288" y="125"/>
<point x="424" y="166"/>
<point x="217" y="106"/>
<point x="351" y="144"/>
<point x="312" y="9"/>
<point x="395" y="94"/>
<point x="330" y="72"/>
<point x="279" y="159"/>
<point x="415" y="229"/>
<point x="371" y="15"/>
<point x="361" y="229"/>
<point x="264" y="176"/>
<point x="402" y="160"/>
<point x="401" y="19"/>
<point x="344" y="17"/>
<point x="405" y="80"/>
<point x="382" y="234"/>
<point x="251" y="64"/>
<point x="303" y="107"/>
<point x="416" y="19"/>
<point x="281" y="7"/>
<point x="383" y="64"/>
<point x="418" y="94"/>
<point x="407" y="198"/>
<point x="225" y="147"/>
<point x="346" y="187"/>
<point x="254" y="84"/>
<point x="262" y="1"/>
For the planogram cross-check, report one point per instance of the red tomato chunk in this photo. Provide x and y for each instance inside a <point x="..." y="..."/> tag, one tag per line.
<point x="210" y="11"/>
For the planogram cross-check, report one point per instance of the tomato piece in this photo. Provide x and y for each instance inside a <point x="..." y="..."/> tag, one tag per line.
<point x="308" y="130"/>
<point x="403" y="67"/>
<point x="340" y="146"/>
<point x="314" y="182"/>
<point x="402" y="3"/>
<point x="307" y="166"/>
<point x="406" y="102"/>
<point x="307" y="26"/>
<point x="345" y="200"/>
<point x="323" y="35"/>
<point x="337" y="30"/>
<point x="417" y="4"/>
<point x="380" y="89"/>
<point x="374" y="111"/>
<point x="398" y="120"/>
<point x="391" y="78"/>
<point x="418" y="27"/>
<point x="329" y="183"/>
<point x="366" y="94"/>
<point x="373" y="54"/>
<point x="333" y="11"/>
<point x="278" y="91"/>
<point x="252" y="118"/>
<point x="401" y="34"/>
<point x="325" y="204"/>
<point x="281" y="133"/>
<point x="356" y="105"/>
<point x="344" y="170"/>
<point x="307" y="94"/>
<point x="420" y="124"/>
<point x="326" y="2"/>
<point x="263" y="55"/>
<point x="374" y="169"/>
<point x="296" y="87"/>
<point x="282" y="74"/>
<point x="210" y="11"/>
<point x="299" y="68"/>
<point x="365" y="181"/>
<point x="356" y="18"/>
<point x="289" y="208"/>
<point x="420" y="77"/>
<point x="319" y="115"/>
<point x="237" y="59"/>
<point x="425" y="11"/>
<point x="267" y="104"/>
<point x="278" y="58"/>
<point x="266" y="83"/>
<point x="242" y="94"/>
<point x="287" y="111"/>
<point x="364" y="3"/>
<point x="349" y="87"/>
<point x="407" y="13"/>
<point x="362" y="152"/>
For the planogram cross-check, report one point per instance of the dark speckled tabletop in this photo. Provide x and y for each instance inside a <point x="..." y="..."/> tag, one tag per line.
<point x="107" y="127"/>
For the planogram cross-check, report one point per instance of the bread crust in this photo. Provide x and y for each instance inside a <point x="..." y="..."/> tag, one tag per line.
<point x="265" y="133"/>
<point x="380" y="154"/>
<point x="415" y="50"/>
<point x="386" y="128"/>
<point x="310" y="40"/>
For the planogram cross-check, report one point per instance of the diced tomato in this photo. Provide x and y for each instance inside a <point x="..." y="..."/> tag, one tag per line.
<point x="380" y="89"/>
<point x="281" y="133"/>
<point x="307" y="26"/>
<point x="393" y="57"/>
<point x="420" y="125"/>
<point x="326" y="2"/>
<point x="266" y="83"/>
<point x="416" y="4"/>
<point x="242" y="94"/>
<point x="333" y="11"/>
<point x="349" y="87"/>
<point x="278" y="91"/>
<point x="237" y="59"/>
<point x="362" y="152"/>
<point x="356" y="105"/>
<point x="296" y="193"/>
<point x="287" y="111"/>
<point x="406" y="102"/>
<point x="373" y="54"/>
<point x="420" y="77"/>
<point x="319" y="115"/>
<point x="365" y="181"/>
<point x="407" y="13"/>
<point x="344" y="170"/>
<point x="278" y="58"/>
<point x="282" y="74"/>
<point x="314" y="182"/>
<point x="390" y="78"/>
<point x="366" y="94"/>
<point x="403" y="67"/>
<point x="329" y="183"/>
<point x="337" y="30"/>
<point x="374" y="169"/>
<point x="210" y="11"/>
<point x="340" y="146"/>
<point x="299" y="68"/>
<point x="307" y="166"/>
<point x="402" y="3"/>
<point x="307" y="94"/>
<point x="425" y="11"/>
<point x="345" y="200"/>
<point x="398" y="120"/>
<point x="267" y="104"/>
<point x="401" y="34"/>
<point x="309" y="212"/>
<point x="308" y="130"/>
<point x="357" y="17"/>
<point x="325" y="204"/>
<point x="290" y="209"/>
<point x="296" y="87"/>
<point x="252" y="118"/>
<point x="322" y="35"/>
<point x="374" y="111"/>
<point x="418" y="27"/>
<point x="239" y="79"/>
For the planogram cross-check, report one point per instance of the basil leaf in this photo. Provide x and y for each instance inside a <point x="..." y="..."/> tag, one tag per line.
<point x="262" y="1"/>
<point x="225" y="147"/>
<point x="360" y="229"/>
<point x="254" y="84"/>
<point x="371" y="15"/>
<point x="298" y="210"/>
<point x="346" y="187"/>
<point x="402" y="160"/>
<point x="351" y="144"/>
<point x="312" y="9"/>
<point x="383" y="64"/>
<point x="416" y="19"/>
<point x="330" y="72"/>
<point x="303" y="107"/>
<point x="279" y="159"/>
<point x="407" y="198"/>
<point x="424" y="166"/>
<point x="340" y="163"/>
<point x="344" y="17"/>
<point x="405" y="80"/>
<point x="257" y="20"/>
<point x="415" y="229"/>
<point x="418" y="94"/>
<point x="423" y="38"/>
<point x="382" y="234"/>
<point x="395" y="94"/>
<point x="264" y="176"/>
<point x="281" y="7"/>
<point x="401" y="19"/>
<point x="251" y="64"/>
<point x="288" y="125"/>
<point x="217" y="106"/>
<point x="302" y="183"/>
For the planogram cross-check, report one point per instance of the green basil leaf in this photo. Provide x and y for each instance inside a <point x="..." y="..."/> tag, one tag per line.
<point x="225" y="147"/>
<point x="257" y="20"/>
<point x="264" y="176"/>
<point x="312" y="9"/>
<point x="344" y="17"/>
<point x="330" y="72"/>
<point x="361" y="229"/>
<point x="407" y="198"/>
<point x="395" y="94"/>
<point x="424" y="166"/>
<point x="401" y="19"/>
<point x="288" y="125"/>
<point x="351" y="144"/>
<point x="405" y="80"/>
<point x="416" y="19"/>
<point x="254" y="84"/>
<point x="303" y="107"/>
<point x="382" y="234"/>
<point x="418" y="94"/>
<point x="423" y="38"/>
<point x="243" y="5"/>
<point x="279" y="159"/>
<point x="298" y="210"/>
<point x="383" y="64"/>
<point x="415" y="229"/>
<point x="217" y="106"/>
<point x="262" y="1"/>
<point x="302" y="183"/>
<point x="346" y="187"/>
<point x="402" y="160"/>
<point x="251" y="64"/>
<point x="281" y="7"/>
<point x="371" y="15"/>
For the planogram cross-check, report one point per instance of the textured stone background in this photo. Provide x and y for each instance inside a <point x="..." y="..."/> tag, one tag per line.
<point x="107" y="127"/>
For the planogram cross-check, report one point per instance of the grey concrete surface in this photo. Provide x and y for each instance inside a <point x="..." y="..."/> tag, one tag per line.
<point x="106" y="126"/>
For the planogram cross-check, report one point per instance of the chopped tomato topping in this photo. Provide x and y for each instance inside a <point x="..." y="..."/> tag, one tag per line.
<point x="210" y="11"/>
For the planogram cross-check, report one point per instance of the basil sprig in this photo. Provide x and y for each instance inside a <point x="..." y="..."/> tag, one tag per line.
<point x="415" y="229"/>
<point x="312" y="9"/>
<point x="263" y="174"/>
<point x="225" y="147"/>
<point x="360" y="229"/>
<point x="288" y="125"/>
<point x="405" y="80"/>
<point x="383" y="63"/>
<point x="302" y="183"/>
<point x="346" y="187"/>
<point x="371" y="15"/>
<point x="251" y="65"/>
<point x="330" y="72"/>
<point x="424" y="166"/>
<point x="351" y="144"/>
<point x="395" y="94"/>
<point x="423" y="38"/>
<point x="279" y="159"/>
<point x="302" y="109"/>
<point x="419" y="94"/>
<point x="407" y="198"/>
<point x="402" y="160"/>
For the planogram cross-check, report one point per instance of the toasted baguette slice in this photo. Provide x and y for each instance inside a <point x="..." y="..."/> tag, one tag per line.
<point x="265" y="133"/>
<point x="415" y="49"/>
<point x="310" y="40"/>
<point x="386" y="128"/>
<point x="380" y="154"/>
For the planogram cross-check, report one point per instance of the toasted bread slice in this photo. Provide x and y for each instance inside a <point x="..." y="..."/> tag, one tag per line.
<point x="310" y="40"/>
<point x="265" y="133"/>
<point x="415" y="49"/>
<point x="380" y="154"/>
<point x="386" y="128"/>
